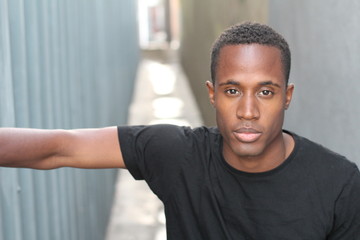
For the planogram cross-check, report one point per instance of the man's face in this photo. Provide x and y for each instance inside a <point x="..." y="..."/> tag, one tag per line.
<point x="250" y="96"/>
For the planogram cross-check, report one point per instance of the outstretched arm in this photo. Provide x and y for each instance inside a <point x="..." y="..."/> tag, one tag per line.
<point x="49" y="149"/>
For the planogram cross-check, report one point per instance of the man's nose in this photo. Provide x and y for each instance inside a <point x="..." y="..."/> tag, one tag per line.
<point x="248" y="108"/>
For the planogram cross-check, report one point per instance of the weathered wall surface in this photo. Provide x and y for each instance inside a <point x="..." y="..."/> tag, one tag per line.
<point x="63" y="64"/>
<point x="324" y="36"/>
<point x="202" y="22"/>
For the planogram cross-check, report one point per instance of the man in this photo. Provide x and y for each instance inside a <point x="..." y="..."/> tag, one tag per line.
<point x="246" y="179"/>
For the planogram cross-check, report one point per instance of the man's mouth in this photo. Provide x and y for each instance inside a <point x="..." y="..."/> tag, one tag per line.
<point x="247" y="135"/>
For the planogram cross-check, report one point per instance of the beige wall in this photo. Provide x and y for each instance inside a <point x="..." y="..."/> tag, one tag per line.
<point x="202" y="22"/>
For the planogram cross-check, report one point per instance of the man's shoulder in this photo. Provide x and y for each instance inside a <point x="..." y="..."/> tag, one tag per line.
<point x="206" y="131"/>
<point x="320" y="156"/>
<point x="169" y="132"/>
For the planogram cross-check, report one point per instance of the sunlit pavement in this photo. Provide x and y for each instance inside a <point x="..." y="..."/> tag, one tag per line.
<point x="162" y="95"/>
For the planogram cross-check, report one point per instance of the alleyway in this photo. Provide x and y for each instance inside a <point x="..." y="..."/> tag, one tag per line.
<point x="162" y="95"/>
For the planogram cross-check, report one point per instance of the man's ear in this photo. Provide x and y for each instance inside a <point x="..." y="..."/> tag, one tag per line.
<point x="289" y="94"/>
<point x="211" y="92"/>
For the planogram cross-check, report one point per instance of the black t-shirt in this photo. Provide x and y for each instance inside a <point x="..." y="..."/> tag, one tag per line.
<point x="314" y="194"/>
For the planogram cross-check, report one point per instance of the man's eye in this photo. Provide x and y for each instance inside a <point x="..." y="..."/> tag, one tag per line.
<point x="266" y="92"/>
<point x="232" y="91"/>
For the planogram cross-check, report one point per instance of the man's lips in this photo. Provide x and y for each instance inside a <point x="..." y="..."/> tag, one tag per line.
<point x="247" y="135"/>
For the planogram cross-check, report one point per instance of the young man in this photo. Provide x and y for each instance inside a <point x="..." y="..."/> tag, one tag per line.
<point x="245" y="179"/>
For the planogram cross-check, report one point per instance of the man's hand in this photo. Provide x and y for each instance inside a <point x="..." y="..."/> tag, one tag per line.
<point x="49" y="149"/>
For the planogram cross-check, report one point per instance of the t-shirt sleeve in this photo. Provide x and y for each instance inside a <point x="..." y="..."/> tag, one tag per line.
<point x="347" y="210"/>
<point x="154" y="154"/>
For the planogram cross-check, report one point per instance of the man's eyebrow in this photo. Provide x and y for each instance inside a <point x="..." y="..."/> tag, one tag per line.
<point x="230" y="82"/>
<point x="269" y="83"/>
<point x="236" y="83"/>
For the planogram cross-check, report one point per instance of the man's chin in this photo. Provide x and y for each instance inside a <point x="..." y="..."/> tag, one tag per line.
<point x="248" y="152"/>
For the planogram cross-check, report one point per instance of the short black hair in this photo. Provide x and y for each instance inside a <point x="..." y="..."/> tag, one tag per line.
<point x="249" y="33"/>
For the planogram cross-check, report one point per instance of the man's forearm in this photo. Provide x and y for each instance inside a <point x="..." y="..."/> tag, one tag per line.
<point x="32" y="148"/>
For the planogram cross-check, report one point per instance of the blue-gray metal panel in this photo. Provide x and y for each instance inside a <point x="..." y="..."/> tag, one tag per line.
<point x="10" y="203"/>
<point x="27" y="203"/>
<point x="33" y="63"/>
<point x="63" y="64"/>
<point x="41" y="205"/>
<point x="7" y="116"/>
<point x="1" y="224"/>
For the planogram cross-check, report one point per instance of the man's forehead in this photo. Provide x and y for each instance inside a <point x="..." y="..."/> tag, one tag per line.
<point x="251" y="58"/>
<point x="253" y="48"/>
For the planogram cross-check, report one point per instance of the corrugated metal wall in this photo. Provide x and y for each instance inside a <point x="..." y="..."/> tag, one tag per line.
<point x="63" y="64"/>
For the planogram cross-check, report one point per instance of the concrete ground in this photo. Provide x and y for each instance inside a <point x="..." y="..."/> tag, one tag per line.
<point x="162" y="95"/>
